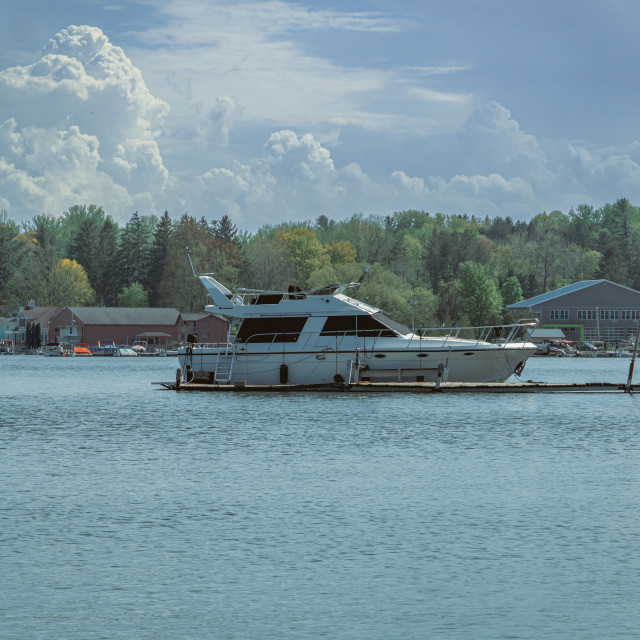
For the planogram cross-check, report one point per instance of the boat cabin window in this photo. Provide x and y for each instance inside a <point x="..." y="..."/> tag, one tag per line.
<point x="269" y="298"/>
<point x="363" y="326"/>
<point x="270" y="329"/>
<point x="398" y="327"/>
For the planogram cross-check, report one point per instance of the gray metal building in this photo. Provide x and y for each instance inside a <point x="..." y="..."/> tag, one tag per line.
<point x="588" y="311"/>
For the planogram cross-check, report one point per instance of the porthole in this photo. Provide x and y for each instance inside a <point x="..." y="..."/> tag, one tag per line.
<point x="470" y="353"/>
<point x="422" y="355"/>
<point x="380" y="355"/>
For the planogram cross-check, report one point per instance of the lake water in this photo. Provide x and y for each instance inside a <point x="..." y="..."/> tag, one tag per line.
<point x="130" y="512"/>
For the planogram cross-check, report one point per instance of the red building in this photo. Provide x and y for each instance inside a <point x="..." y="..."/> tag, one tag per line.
<point x="126" y="325"/>
<point x="205" y="327"/>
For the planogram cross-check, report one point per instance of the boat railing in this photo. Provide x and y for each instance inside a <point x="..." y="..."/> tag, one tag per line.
<point x="502" y="334"/>
<point x="272" y="338"/>
<point x="209" y="345"/>
<point x="497" y="333"/>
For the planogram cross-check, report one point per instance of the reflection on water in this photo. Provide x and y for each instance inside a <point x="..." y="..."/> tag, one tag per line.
<point x="128" y="512"/>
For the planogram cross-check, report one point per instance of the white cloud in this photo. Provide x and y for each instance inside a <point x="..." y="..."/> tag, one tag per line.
<point x="263" y="127"/>
<point x="221" y="121"/>
<point x="259" y="53"/>
<point x="82" y="127"/>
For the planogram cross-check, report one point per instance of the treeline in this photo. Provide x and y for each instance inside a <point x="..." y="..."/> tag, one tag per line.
<point x="426" y="269"/>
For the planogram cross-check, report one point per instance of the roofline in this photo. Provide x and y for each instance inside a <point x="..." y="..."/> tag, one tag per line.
<point x="558" y="293"/>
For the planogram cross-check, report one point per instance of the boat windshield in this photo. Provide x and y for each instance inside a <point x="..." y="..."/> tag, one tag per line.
<point x="398" y="327"/>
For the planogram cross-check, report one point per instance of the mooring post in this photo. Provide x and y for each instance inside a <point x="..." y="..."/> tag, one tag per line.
<point x="178" y="377"/>
<point x="633" y="360"/>
<point x="440" y="374"/>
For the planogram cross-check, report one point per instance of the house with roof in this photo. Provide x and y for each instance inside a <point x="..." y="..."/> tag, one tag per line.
<point x="7" y="328"/>
<point x="587" y="311"/>
<point x="15" y="327"/>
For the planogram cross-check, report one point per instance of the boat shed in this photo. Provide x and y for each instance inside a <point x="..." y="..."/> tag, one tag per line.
<point x="120" y="324"/>
<point x="587" y="311"/>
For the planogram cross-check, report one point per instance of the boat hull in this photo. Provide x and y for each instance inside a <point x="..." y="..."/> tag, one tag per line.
<point x="487" y="364"/>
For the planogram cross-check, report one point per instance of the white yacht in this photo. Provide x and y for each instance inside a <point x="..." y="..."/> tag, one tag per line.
<point x="326" y="337"/>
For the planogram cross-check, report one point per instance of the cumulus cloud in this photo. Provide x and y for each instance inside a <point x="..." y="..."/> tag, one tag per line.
<point x="221" y="120"/>
<point x="80" y="126"/>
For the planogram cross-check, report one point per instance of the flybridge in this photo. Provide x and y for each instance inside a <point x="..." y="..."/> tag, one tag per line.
<point x="244" y="302"/>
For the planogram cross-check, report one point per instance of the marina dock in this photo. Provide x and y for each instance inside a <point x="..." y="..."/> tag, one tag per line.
<point x="409" y="387"/>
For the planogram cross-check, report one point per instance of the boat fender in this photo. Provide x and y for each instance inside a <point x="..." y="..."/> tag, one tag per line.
<point x="338" y="378"/>
<point x="284" y="374"/>
<point x="518" y="370"/>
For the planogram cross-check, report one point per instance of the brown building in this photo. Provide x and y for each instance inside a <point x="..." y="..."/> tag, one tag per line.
<point x="127" y="325"/>
<point x="205" y="327"/>
<point x="120" y="324"/>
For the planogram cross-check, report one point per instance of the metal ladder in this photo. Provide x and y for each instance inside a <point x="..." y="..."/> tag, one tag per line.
<point x="224" y="363"/>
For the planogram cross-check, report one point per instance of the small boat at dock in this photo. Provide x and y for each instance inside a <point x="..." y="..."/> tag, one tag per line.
<point x="82" y="349"/>
<point x="53" y="350"/>
<point x="6" y="348"/>
<point x="105" y="348"/>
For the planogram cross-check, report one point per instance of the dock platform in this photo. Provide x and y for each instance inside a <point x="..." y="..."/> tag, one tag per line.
<point x="409" y="387"/>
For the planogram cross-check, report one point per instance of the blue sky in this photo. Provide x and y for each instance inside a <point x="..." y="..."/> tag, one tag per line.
<point x="275" y="110"/>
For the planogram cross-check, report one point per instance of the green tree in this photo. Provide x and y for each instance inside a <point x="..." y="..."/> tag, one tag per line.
<point x="178" y="288"/>
<point x="42" y="239"/>
<point x="584" y="226"/>
<point x="480" y="299"/>
<point x="267" y="266"/>
<point x="511" y="291"/>
<point x="135" y="248"/>
<point x="12" y="254"/>
<point x="84" y="246"/>
<point x="158" y="256"/>
<point x="133" y="296"/>
<point x="108" y="264"/>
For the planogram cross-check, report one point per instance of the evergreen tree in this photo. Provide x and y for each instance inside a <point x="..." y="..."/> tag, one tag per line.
<point x="158" y="256"/>
<point x="135" y="246"/>
<point x="178" y="288"/>
<point x="108" y="264"/>
<point x="12" y="253"/>
<point x="46" y="251"/>
<point x="225" y="230"/>
<point x="84" y="245"/>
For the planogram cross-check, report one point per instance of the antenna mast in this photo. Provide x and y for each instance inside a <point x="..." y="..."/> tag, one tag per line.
<point x="191" y="263"/>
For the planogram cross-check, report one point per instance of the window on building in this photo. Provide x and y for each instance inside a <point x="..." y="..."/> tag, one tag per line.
<point x="586" y="314"/>
<point x="605" y="314"/>
<point x="630" y="314"/>
<point x="559" y="314"/>
<point x="613" y="335"/>
<point x="206" y="323"/>
<point x="591" y="334"/>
